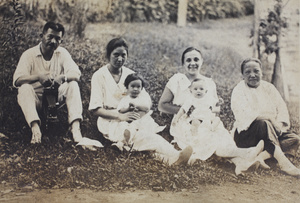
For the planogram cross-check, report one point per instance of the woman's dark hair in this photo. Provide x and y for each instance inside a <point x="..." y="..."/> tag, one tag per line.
<point x="188" y="50"/>
<point x="54" y="26"/>
<point x="249" y="60"/>
<point x="114" y="43"/>
<point x="132" y="77"/>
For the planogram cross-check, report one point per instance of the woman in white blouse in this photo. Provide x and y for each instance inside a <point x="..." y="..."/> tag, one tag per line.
<point x="261" y="114"/>
<point x="107" y="90"/>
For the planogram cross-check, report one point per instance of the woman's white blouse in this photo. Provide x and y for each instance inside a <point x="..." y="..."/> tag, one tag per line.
<point x="249" y="103"/>
<point x="105" y="92"/>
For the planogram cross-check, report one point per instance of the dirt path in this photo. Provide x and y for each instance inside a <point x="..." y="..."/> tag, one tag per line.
<point x="268" y="189"/>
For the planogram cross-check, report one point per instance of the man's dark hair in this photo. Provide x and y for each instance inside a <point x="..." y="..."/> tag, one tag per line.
<point x="54" y="26"/>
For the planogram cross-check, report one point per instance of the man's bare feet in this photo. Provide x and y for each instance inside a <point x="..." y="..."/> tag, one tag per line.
<point x="75" y="129"/>
<point x="77" y="136"/>
<point x="36" y="133"/>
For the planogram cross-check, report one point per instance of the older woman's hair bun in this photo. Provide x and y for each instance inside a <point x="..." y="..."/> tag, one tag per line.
<point x="114" y="43"/>
<point x="247" y="60"/>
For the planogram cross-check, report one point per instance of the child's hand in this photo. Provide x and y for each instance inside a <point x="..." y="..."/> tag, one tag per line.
<point x="131" y="106"/>
<point x="191" y="109"/>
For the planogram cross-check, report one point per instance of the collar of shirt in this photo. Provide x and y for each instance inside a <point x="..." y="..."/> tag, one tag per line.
<point x="38" y="52"/>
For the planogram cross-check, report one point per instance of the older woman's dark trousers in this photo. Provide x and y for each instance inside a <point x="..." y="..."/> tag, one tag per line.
<point x="264" y="130"/>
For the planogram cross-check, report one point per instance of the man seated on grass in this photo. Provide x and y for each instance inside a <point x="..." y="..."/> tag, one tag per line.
<point x="47" y="65"/>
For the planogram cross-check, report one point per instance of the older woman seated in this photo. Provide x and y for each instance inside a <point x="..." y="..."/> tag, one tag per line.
<point x="261" y="114"/>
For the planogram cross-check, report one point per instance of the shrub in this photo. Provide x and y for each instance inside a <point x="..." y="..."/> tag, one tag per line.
<point x="13" y="41"/>
<point x="164" y="11"/>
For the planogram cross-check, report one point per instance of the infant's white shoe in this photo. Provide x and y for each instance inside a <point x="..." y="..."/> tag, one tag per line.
<point x="89" y="143"/>
<point x="184" y="156"/>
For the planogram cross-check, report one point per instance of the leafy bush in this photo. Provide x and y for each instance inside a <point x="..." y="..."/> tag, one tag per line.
<point x="14" y="38"/>
<point x="270" y="29"/>
<point x="164" y="11"/>
<point x="214" y="9"/>
<point x="269" y="41"/>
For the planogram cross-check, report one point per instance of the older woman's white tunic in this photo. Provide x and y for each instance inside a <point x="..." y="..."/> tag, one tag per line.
<point x="249" y="103"/>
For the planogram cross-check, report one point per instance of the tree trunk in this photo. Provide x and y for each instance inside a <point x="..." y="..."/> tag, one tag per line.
<point x="256" y="48"/>
<point x="182" y="12"/>
<point x="79" y="20"/>
<point x="278" y="77"/>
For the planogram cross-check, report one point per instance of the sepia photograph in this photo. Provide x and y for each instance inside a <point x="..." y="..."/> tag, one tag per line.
<point x="149" y="101"/>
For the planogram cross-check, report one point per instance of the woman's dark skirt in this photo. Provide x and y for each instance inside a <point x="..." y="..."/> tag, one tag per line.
<point x="264" y="130"/>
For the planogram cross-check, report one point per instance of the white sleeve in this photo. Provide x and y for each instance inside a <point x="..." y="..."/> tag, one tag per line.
<point x="242" y="110"/>
<point x="23" y="68"/>
<point x="97" y="92"/>
<point x="68" y="63"/>
<point x="213" y="92"/>
<point x="172" y="84"/>
<point x="124" y="103"/>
